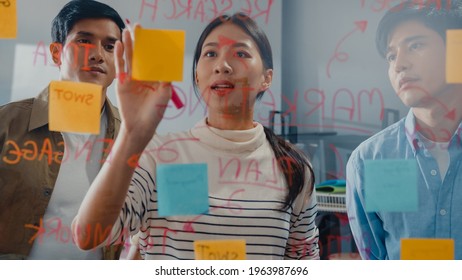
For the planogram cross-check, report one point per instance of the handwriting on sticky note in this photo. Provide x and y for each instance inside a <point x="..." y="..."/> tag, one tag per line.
<point x="427" y="249"/>
<point x="219" y="250"/>
<point x="182" y="189"/>
<point x="75" y="107"/>
<point x="158" y="55"/>
<point x="391" y="185"/>
<point x="8" y="19"/>
<point x="454" y="56"/>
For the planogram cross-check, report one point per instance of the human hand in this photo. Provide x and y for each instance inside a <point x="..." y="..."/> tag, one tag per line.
<point x="142" y="104"/>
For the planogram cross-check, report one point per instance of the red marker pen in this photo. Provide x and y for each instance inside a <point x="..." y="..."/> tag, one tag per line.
<point x="176" y="100"/>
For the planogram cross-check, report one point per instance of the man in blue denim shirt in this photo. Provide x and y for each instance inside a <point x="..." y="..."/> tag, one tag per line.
<point x="412" y="38"/>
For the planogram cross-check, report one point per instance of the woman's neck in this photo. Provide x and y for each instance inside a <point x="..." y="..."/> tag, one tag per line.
<point x="230" y="122"/>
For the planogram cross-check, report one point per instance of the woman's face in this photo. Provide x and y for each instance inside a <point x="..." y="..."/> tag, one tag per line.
<point x="230" y="71"/>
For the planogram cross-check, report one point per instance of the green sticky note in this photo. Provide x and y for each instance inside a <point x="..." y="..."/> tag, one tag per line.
<point x="182" y="189"/>
<point x="391" y="185"/>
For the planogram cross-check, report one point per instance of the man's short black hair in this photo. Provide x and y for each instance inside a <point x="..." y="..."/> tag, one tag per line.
<point x="436" y="15"/>
<point x="77" y="10"/>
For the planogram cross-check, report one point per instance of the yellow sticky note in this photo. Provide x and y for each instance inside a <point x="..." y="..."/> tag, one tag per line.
<point x="454" y="56"/>
<point x="158" y="55"/>
<point x="219" y="249"/>
<point x="427" y="249"/>
<point x="74" y="107"/>
<point x="8" y="19"/>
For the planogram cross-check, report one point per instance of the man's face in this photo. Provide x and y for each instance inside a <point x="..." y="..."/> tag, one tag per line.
<point x="87" y="55"/>
<point x="417" y="64"/>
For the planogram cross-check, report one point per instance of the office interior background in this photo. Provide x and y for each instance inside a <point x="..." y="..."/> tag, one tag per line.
<point x="330" y="89"/>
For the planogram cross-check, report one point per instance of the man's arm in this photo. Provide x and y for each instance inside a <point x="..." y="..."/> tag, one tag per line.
<point x="366" y="227"/>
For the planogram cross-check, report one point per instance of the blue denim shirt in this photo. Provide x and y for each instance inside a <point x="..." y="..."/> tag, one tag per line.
<point x="439" y="215"/>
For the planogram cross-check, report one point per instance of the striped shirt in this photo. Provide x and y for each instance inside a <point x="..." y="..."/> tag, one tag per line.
<point x="246" y="193"/>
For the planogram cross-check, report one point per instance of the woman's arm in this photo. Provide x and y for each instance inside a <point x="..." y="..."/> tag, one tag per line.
<point x="141" y="105"/>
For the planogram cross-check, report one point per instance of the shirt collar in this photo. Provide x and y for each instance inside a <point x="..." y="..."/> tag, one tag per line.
<point x="411" y="133"/>
<point x="413" y="136"/>
<point x="235" y="141"/>
<point x="39" y="114"/>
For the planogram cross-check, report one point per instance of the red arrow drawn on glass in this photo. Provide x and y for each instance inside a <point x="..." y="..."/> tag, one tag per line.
<point x="343" y="56"/>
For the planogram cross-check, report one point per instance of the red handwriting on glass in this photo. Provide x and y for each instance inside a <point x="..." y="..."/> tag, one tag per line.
<point x="343" y="56"/>
<point x="194" y="104"/>
<point x="75" y="96"/>
<point x="149" y="241"/>
<point x="163" y="153"/>
<point x="62" y="233"/>
<point x="205" y="10"/>
<point x="42" y="51"/>
<point x="234" y="166"/>
<point x="30" y="151"/>
<point x="312" y="101"/>
<point x="232" y="207"/>
<point x="384" y="5"/>
<point x="340" y="163"/>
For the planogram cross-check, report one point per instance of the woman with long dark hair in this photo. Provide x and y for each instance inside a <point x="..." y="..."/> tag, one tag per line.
<point x="260" y="188"/>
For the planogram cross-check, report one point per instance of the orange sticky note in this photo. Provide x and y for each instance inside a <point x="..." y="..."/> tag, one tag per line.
<point x="74" y="107"/>
<point x="158" y="55"/>
<point x="427" y="249"/>
<point x="8" y="19"/>
<point x="454" y="56"/>
<point x="219" y="249"/>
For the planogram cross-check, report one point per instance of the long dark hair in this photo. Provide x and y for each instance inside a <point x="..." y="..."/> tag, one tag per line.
<point x="292" y="162"/>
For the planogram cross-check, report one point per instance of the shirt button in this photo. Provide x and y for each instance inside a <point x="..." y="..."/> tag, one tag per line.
<point x="433" y="172"/>
<point x="442" y="212"/>
<point x="47" y="192"/>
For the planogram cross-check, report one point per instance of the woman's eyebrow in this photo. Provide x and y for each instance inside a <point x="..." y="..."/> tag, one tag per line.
<point x="234" y="45"/>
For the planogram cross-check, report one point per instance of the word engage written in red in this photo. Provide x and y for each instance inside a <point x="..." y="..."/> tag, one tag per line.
<point x="32" y="150"/>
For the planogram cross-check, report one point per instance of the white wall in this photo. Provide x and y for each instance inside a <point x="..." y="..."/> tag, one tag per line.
<point x="310" y="37"/>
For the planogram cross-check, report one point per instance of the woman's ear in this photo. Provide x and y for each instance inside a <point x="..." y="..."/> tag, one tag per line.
<point x="56" y="50"/>
<point x="268" y="76"/>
